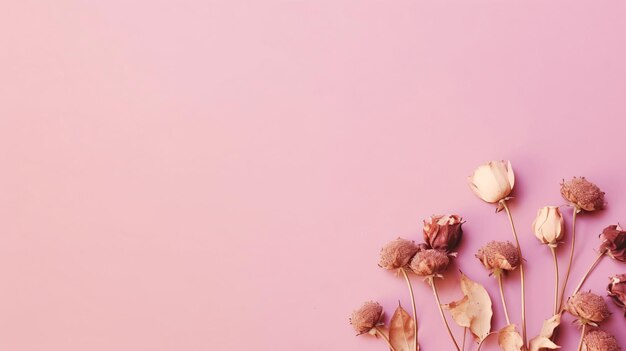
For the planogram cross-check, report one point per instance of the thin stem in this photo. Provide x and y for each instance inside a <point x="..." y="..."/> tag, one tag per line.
<point x="379" y="332"/>
<point x="556" y="280"/>
<point x="582" y="337"/>
<point x="591" y="268"/>
<point x="463" y="343"/>
<point x="483" y="340"/>
<point x="521" y="271"/>
<point x="571" y="257"/>
<point x="506" y="310"/>
<point x="443" y="316"/>
<point x="408" y="283"/>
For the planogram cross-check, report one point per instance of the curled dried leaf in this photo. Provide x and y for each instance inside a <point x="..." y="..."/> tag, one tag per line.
<point x="474" y="310"/>
<point x="509" y="339"/>
<point x="402" y="330"/>
<point x="542" y="341"/>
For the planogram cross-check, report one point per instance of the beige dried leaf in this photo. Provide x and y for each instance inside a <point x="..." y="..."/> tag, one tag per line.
<point x="509" y="339"/>
<point x="542" y="341"/>
<point x="402" y="330"/>
<point x="473" y="311"/>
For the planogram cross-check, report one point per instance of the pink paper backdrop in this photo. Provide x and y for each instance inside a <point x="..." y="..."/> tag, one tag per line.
<point x="220" y="175"/>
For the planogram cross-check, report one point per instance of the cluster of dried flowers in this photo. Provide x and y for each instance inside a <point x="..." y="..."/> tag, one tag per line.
<point x="493" y="182"/>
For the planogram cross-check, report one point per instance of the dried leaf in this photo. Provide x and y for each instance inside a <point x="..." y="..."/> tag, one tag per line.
<point x="473" y="311"/>
<point x="402" y="330"/>
<point x="509" y="339"/>
<point x="542" y="341"/>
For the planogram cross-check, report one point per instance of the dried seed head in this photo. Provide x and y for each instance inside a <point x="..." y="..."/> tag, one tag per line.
<point x="617" y="290"/>
<point x="583" y="194"/>
<point x="429" y="263"/>
<point x="499" y="255"/>
<point x="397" y="254"/>
<point x="443" y="232"/>
<point x="588" y="307"/>
<point x="599" y="340"/>
<point x="367" y="317"/>
<point x="614" y="242"/>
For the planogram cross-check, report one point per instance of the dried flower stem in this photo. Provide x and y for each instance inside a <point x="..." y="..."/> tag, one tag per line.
<point x="506" y="310"/>
<point x="463" y="343"/>
<point x="556" y="280"/>
<point x="591" y="268"/>
<point x="571" y="256"/>
<point x="408" y="283"/>
<point x="380" y="332"/>
<point x="521" y="270"/>
<point x="582" y="337"/>
<point x="480" y="344"/>
<point x="431" y="280"/>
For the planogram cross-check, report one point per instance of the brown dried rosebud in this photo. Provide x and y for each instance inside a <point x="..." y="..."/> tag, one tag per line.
<point x="583" y="194"/>
<point x="397" y="254"/>
<point x="429" y="263"/>
<point x="499" y="255"/>
<point x="588" y="307"/>
<point x="367" y="317"/>
<point x="617" y="290"/>
<point x="443" y="232"/>
<point x="599" y="340"/>
<point x="614" y="242"/>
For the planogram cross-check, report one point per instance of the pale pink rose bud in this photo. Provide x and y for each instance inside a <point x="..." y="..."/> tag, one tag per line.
<point x="367" y="317"/>
<point x="583" y="194"/>
<point x="443" y="232"/>
<point x="599" y="340"/>
<point x="549" y="227"/>
<point x="493" y="181"/>
<point x="617" y="290"/>
<point x="588" y="307"/>
<point x="613" y="244"/>
<point x="397" y="254"/>
<point x="429" y="263"/>
<point x="499" y="255"/>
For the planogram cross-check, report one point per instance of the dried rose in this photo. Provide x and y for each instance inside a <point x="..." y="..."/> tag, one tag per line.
<point x="443" y="232"/>
<point x="549" y="225"/>
<point x="367" y="317"/>
<point x="493" y="181"/>
<point x="599" y="340"/>
<point x="588" y="307"/>
<point x="617" y="290"/>
<point x="583" y="194"/>
<point x="614" y="242"/>
<point x="499" y="255"/>
<point x="429" y="263"/>
<point x="397" y="254"/>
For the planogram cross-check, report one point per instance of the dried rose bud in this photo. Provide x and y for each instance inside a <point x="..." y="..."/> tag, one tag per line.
<point x="614" y="242"/>
<point x="588" y="307"/>
<point x="443" y="232"/>
<point x="429" y="263"/>
<point x="493" y="181"/>
<point x="599" y="340"/>
<point x="499" y="255"/>
<point x="583" y="194"/>
<point x="617" y="290"/>
<point x="367" y="317"/>
<point x="549" y="225"/>
<point x="397" y="254"/>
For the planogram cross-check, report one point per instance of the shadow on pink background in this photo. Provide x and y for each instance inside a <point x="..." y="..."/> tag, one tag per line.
<point x="220" y="175"/>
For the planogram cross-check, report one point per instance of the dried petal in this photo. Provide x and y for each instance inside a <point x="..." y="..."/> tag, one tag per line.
<point x="588" y="307"/>
<point x="549" y="225"/>
<point x="509" y="339"/>
<point x="617" y="290"/>
<point x="443" y="232"/>
<point x="599" y="340"/>
<point x="543" y="340"/>
<point x="429" y="263"/>
<point x="493" y="181"/>
<point x="614" y="242"/>
<point x="397" y="254"/>
<point x="474" y="310"/>
<point x="583" y="194"/>
<point x="498" y="255"/>
<point x="367" y="317"/>
<point x="402" y="330"/>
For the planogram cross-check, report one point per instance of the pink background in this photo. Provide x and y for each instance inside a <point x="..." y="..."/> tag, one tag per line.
<point x="220" y="175"/>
